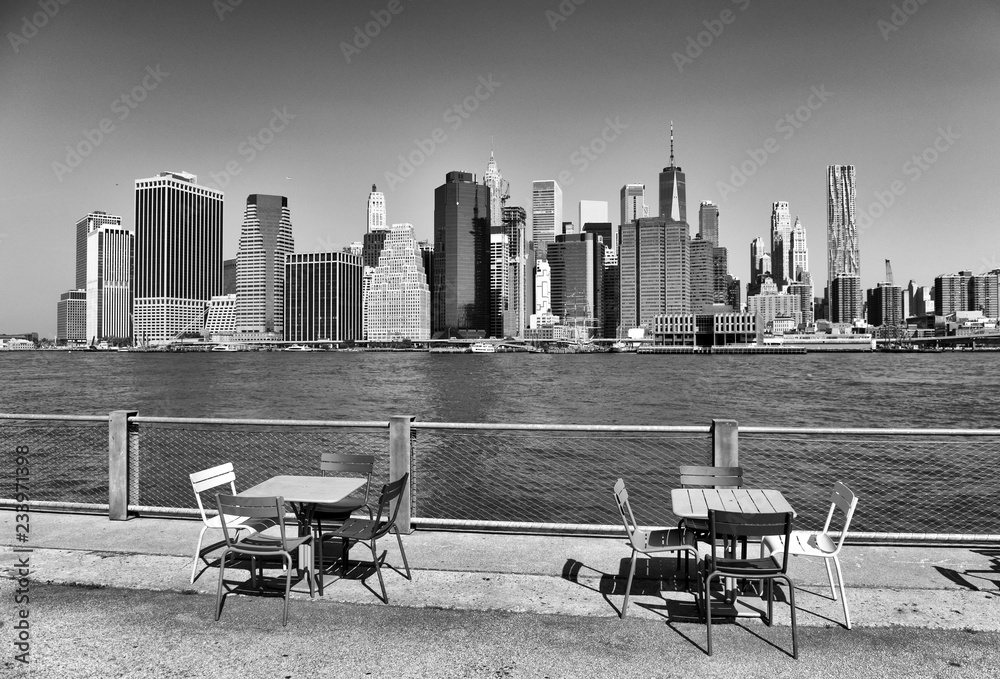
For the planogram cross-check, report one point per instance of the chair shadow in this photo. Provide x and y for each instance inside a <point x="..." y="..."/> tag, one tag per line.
<point x="653" y="576"/>
<point x="358" y="570"/>
<point x="268" y="585"/>
<point x="967" y="578"/>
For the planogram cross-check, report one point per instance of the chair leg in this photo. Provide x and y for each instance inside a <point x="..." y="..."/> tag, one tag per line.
<point x="378" y="571"/>
<point x="402" y="552"/>
<point x="628" y="583"/>
<point x="287" y="560"/>
<point x="197" y="552"/>
<point x="791" y="602"/>
<point x="222" y="575"/>
<point x="319" y="558"/>
<point x="708" y="610"/>
<point x="829" y="576"/>
<point x="843" y="592"/>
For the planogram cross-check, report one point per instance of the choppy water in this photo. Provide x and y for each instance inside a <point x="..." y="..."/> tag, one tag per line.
<point x="951" y="389"/>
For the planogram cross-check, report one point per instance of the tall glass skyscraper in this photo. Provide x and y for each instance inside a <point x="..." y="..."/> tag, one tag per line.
<point x="633" y="203"/>
<point x="673" y="192"/>
<point x="84" y="226"/>
<point x="110" y="263"/>
<point x="708" y="222"/>
<point x="178" y="255"/>
<point x="265" y="241"/>
<point x="843" y="255"/>
<point x="546" y="214"/>
<point x="461" y="293"/>
<point x="322" y="297"/>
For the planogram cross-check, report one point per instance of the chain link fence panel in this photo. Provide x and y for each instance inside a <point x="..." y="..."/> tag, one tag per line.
<point x="67" y="460"/>
<point x="549" y="476"/>
<point x="906" y="483"/>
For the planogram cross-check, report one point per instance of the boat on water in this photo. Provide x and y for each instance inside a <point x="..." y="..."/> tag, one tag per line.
<point x="483" y="348"/>
<point x="618" y="347"/>
<point x="224" y="347"/>
<point x="299" y="347"/>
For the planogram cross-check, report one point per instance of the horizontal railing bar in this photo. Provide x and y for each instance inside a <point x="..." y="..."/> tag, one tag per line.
<point x="74" y="418"/>
<point x="869" y="431"/>
<point x="563" y="427"/>
<point x="384" y="424"/>
<point x="528" y="527"/>
<point x="47" y="504"/>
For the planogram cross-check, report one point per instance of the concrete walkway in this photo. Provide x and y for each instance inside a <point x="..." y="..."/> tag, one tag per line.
<point x="114" y="599"/>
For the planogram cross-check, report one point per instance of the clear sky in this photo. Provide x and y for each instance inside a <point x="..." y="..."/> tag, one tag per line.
<point x="293" y="98"/>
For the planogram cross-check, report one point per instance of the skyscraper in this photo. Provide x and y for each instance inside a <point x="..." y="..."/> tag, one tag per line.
<point x="84" y="226"/>
<point x="265" y="241"/>
<point x="843" y="255"/>
<point x="800" y="253"/>
<point x="633" y="203"/>
<point x="520" y="279"/>
<point x="461" y="292"/>
<point x="322" y="297"/>
<point x="593" y="212"/>
<point x="577" y="266"/>
<point x="178" y="255"/>
<point x="781" y="244"/>
<point x="398" y="299"/>
<point x="546" y="214"/>
<point x="71" y="317"/>
<point x="708" y="222"/>
<point x="702" y="275"/>
<point x="376" y="211"/>
<point x="655" y="270"/>
<point x="498" y="191"/>
<point x="110" y="264"/>
<point x="673" y="194"/>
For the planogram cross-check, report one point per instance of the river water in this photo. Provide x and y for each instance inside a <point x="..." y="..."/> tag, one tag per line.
<point x="949" y="389"/>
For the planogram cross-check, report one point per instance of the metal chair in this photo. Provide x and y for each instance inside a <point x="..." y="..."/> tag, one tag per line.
<point x="370" y="530"/>
<point x="820" y="544"/>
<point x="256" y="546"/>
<point x="206" y="480"/>
<point x="705" y="477"/>
<point x="732" y="526"/>
<point x="643" y="541"/>
<point x="340" y="464"/>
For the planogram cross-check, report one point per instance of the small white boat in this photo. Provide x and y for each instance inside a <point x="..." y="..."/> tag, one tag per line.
<point x="298" y="347"/>
<point x="483" y="348"/>
<point x="224" y="347"/>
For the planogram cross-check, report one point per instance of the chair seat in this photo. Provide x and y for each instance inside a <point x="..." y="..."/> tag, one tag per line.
<point x="766" y="565"/>
<point x="355" y="529"/>
<point x="664" y="538"/>
<point x="804" y="543"/>
<point x="266" y="544"/>
<point x="239" y="522"/>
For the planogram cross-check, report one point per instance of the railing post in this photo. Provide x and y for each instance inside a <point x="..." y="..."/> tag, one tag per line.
<point x="399" y="464"/>
<point x="725" y="443"/>
<point x="118" y="485"/>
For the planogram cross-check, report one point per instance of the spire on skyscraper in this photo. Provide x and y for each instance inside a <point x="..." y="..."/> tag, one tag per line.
<point x="671" y="143"/>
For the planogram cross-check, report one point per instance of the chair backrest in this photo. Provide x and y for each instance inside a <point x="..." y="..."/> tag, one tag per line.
<point x="625" y="509"/>
<point x="749" y="525"/>
<point x="844" y="499"/>
<point x="258" y="509"/>
<point x="349" y="463"/>
<point x="711" y="477"/>
<point x="207" y="479"/>
<point x="389" y="502"/>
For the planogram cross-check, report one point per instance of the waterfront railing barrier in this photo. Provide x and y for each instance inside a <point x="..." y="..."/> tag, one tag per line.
<point x="913" y="484"/>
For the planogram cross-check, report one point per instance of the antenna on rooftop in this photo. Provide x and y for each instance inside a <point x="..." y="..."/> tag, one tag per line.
<point x="671" y="143"/>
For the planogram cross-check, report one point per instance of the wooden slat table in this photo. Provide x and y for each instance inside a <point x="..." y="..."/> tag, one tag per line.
<point x="694" y="503"/>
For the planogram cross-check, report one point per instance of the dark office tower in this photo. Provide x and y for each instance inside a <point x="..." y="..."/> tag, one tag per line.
<point x="265" y="241"/>
<point x="708" y="222"/>
<point x="178" y="255"/>
<point x="720" y="276"/>
<point x="461" y="291"/>
<point x="843" y="255"/>
<point x="546" y="214"/>
<point x="520" y="280"/>
<point x="577" y="264"/>
<point x="885" y="305"/>
<point x="603" y="229"/>
<point x="322" y="297"/>
<point x="702" y="275"/>
<point x="611" y="317"/>
<point x="371" y="247"/>
<point x="84" y="225"/>
<point x="654" y="257"/>
<point x="427" y="258"/>
<point x="229" y="276"/>
<point x="673" y="194"/>
<point x="845" y="298"/>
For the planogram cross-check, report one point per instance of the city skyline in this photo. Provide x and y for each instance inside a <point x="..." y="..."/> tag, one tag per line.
<point x="756" y="120"/>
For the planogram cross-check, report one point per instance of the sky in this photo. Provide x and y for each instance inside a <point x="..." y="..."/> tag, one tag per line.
<point x="317" y="101"/>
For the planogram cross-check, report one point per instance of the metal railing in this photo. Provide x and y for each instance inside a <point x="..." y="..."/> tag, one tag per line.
<point x="913" y="485"/>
